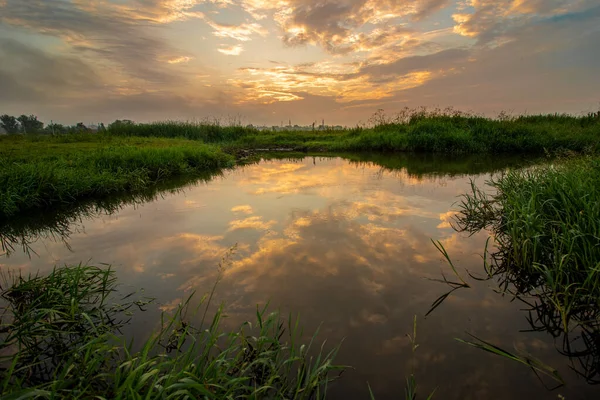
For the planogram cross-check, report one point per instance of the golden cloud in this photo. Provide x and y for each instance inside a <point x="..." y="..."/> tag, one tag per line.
<point x="179" y="60"/>
<point x="255" y="222"/>
<point x="231" y="50"/>
<point x="286" y="83"/>
<point x="241" y="32"/>
<point x="245" y="209"/>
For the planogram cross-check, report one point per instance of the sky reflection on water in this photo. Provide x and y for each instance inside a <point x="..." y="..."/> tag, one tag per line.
<point x="344" y="244"/>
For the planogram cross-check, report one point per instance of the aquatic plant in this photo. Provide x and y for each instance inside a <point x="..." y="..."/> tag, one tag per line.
<point x="545" y="221"/>
<point x="546" y="225"/>
<point x="60" y="338"/>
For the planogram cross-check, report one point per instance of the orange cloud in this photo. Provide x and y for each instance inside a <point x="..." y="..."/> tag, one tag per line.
<point x="241" y="32"/>
<point x="245" y="209"/>
<point x="288" y="83"/>
<point x="231" y="50"/>
<point x="179" y="60"/>
<point x="255" y="222"/>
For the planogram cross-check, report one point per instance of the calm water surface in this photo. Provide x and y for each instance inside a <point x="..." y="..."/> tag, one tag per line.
<point x="347" y="245"/>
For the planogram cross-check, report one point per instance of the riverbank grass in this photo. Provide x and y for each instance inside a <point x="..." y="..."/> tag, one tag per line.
<point x="61" y="339"/>
<point x="546" y="223"/>
<point x="39" y="172"/>
<point x="419" y="130"/>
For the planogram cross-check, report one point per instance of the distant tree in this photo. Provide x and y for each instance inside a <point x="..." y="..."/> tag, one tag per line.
<point x="9" y="124"/>
<point x="101" y="127"/>
<point x="80" y="127"/>
<point x="119" y="123"/>
<point x="30" y="124"/>
<point x="54" y="129"/>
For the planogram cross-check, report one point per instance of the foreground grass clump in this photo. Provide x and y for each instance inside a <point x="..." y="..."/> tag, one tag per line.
<point x="44" y="171"/>
<point x="546" y="223"/>
<point x="419" y="130"/>
<point x="60" y="339"/>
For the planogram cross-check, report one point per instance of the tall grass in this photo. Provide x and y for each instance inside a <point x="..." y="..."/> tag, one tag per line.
<point x="418" y="130"/>
<point x="209" y="132"/>
<point x="40" y="172"/>
<point x="546" y="222"/>
<point x="61" y="336"/>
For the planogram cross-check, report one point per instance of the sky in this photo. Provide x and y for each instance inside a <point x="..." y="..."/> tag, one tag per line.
<point x="266" y="62"/>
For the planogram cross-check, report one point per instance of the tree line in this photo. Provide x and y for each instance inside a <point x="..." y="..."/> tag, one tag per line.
<point x="30" y="124"/>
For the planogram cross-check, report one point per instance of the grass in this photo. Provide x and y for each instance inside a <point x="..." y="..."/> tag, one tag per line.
<point x="546" y="222"/>
<point x="61" y="337"/>
<point x="48" y="171"/>
<point x="39" y="172"/>
<point x="61" y="340"/>
<point x="421" y="130"/>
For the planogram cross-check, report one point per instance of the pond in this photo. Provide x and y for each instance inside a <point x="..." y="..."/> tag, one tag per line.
<point x="346" y="244"/>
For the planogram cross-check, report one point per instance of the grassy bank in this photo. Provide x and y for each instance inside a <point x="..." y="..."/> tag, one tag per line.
<point x="546" y="223"/>
<point x="416" y="131"/>
<point x="38" y="172"/>
<point x="60" y="339"/>
<point x="57" y="225"/>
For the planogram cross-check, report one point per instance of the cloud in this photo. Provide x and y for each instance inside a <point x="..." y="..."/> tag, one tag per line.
<point x="231" y="50"/>
<point x="338" y="58"/>
<point x="439" y="61"/>
<point x="491" y="19"/>
<point x="241" y="32"/>
<point x="547" y="66"/>
<point x="104" y="32"/>
<point x="345" y="83"/>
<point x="337" y="25"/>
<point x="180" y="60"/>
<point x="28" y="73"/>
<point x="245" y="209"/>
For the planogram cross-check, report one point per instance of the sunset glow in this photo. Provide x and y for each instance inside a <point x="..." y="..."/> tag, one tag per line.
<point x="275" y="60"/>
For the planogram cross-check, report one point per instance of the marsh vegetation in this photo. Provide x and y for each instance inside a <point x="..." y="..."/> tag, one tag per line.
<point x="60" y="338"/>
<point x="545" y="253"/>
<point x="41" y="172"/>
<point x="419" y="130"/>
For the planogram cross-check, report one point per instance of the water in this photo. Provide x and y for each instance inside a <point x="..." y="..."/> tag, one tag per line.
<point x="347" y="245"/>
